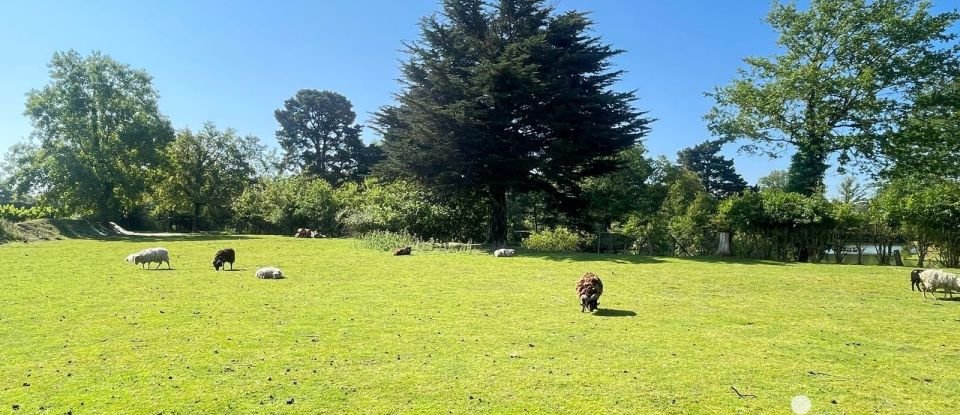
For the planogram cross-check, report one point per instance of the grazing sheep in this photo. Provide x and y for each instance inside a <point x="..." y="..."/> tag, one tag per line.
<point x="932" y="279"/>
<point x="269" y="273"/>
<point x="589" y="289"/>
<point x="304" y="233"/>
<point x="403" y="251"/>
<point x="915" y="279"/>
<point x="149" y="256"/>
<point x="503" y="252"/>
<point x="224" y="256"/>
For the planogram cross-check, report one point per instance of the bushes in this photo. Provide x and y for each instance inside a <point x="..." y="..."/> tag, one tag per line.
<point x="554" y="240"/>
<point x="405" y="207"/>
<point x="386" y="241"/>
<point x="20" y="214"/>
<point x="778" y="224"/>
<point x="285" y="204"/>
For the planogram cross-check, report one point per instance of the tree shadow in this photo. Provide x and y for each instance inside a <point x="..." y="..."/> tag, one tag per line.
<point x="733" y="260"/>
<point x="611" y="312"/>
<point x="591" y="257"/>
<point x="172" y="238"/>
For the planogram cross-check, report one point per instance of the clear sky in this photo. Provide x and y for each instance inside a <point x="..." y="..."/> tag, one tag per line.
<point x="235" y="62"/>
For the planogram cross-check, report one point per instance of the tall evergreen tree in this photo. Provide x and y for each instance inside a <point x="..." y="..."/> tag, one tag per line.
<point x="508" y="96"/>
<point x="717" y="174"/>
<point x="318" y="135"/>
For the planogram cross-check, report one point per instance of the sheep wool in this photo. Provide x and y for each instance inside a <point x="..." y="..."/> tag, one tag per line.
<point x="504" y="252"/>
<point x="403" y="251"/>
<point x="269" y="273"/>
<point x="149" y="256"/>
<point x="589" y="289"/>
<point x="933" y="279"/>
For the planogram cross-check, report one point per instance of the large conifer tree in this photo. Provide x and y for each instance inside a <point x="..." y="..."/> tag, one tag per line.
<point x="508" y="97"/>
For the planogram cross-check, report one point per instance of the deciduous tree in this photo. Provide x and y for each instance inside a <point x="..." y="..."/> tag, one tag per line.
<point x="98" y="130"/>
<point x="848" y="71"/>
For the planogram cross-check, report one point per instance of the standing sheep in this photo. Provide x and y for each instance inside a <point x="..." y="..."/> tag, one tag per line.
<point x="149" y="256"/>
<point x="224" y="256"/>
<point x="269" y="273"/>
<point x="932" y="279"/>
<point x="589" y="289"/>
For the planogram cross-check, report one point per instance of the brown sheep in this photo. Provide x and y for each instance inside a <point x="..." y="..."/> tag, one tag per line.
<point x="403" y="251"/>
<point x="589" y="289"/>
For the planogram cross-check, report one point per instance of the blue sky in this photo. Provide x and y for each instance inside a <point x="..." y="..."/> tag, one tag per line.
<point x="235" y="62"/>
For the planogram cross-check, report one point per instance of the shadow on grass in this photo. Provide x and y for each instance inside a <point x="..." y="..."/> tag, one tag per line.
<point x="640" y="259"/>
<point x="171" y="238"/>
<point x="732" y="260"/>
<point x="610" y="312"/>
<point x="588" y="257"/>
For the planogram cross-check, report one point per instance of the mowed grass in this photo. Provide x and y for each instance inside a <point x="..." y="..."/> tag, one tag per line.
<point x="353" y="330"/>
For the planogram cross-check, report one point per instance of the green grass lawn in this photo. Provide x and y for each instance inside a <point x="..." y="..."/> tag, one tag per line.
<point x="353" y="330"/>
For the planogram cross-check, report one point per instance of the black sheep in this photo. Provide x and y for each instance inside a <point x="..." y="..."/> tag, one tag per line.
<point x="222" y="256"/>
<point x="915" y="280"/>
<point x="403" y="251"/>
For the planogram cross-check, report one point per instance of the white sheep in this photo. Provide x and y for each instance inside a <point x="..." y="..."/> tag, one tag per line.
<point x="269" y="273"/>
<point x="932" y="279"/>
<point x="149" y="256"/>
<point x="504" y="252"/>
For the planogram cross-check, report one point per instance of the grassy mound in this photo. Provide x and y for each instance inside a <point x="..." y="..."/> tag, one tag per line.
<point x="51" y="229"/>
<point x="361" y="331"/>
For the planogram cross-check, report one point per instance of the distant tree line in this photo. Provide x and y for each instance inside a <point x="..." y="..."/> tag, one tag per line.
<point x="508" y="122"/>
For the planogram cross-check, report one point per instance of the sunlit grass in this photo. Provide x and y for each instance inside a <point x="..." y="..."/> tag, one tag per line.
<point x="353" y="330"/>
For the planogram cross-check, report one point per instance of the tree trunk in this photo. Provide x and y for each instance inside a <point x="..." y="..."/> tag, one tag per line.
<point x="807" y="169"/>
<point x="105" y="209"/>
<point x="803" y="254"/>
<point x="497" y="230"/>
<point x="724" y="246"/>
<point x="922" y="248"/>
<point x="193" y="219"/>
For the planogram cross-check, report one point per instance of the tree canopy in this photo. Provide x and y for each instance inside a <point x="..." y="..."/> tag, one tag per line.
<point x="203" y="172"/>
<point x="97" y="129"/>
<point x="508" y="96"/>
<point x="716" y="172"/>
<point x="848" y="71"/>
<point x="319" y="137"/>
<point x="928" y="140"/>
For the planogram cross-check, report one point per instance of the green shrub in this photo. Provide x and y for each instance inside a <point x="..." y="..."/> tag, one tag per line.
<point x="20" y="214"/>
<point x="554" y="240"/>
<point x="406" y="207"/>
<point x="5" y="233"/>
<point x="285" y="204"/>
<point x="388" y="241"/>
